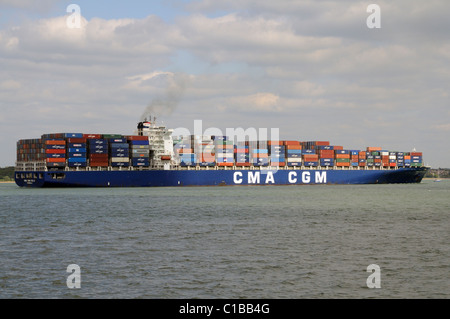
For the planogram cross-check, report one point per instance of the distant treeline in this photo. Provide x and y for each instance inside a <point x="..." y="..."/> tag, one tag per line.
<point x="7" y="173"/>
<point x="441" y="173"/>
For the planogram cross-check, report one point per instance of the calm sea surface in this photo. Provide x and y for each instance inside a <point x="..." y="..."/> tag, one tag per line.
<point x="226" y="242"/>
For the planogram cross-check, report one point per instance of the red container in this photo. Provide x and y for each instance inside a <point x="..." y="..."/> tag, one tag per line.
<point x="293" y="147"/>
<point x="99" y="157"/>
<point x="342" y="163"/>
<point x="165" y="157"/>
<point x="224" y="164"/>
<point x="243" y="164"/>
<point x="98" y="164"/>
<point x="50" y="151"/>
<point x="76" y="140"/>
<point x="392" y="164"/>
<point x="291" y="142"/>
<point x="56" y="160"/>
<point x="55" y="142"/>
<point x="326" y="154"/>
<point x="323" y="143"/>
<point x="339" y="148"/>
<point x="275" y="143"/>
<point x="311" y="158"/>
<point x="136" y="138"/>
<point x="416" y="154"/>
<point x="92" y="136"/>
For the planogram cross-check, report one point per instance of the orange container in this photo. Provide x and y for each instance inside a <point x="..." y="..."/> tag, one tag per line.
<point x="293" y="147"/>
<point x="291" y="142"/>
<point x="342" y="155"/>
<point x="50" y="151"/>
<point x="224" y="164"/>
<point x="342" y="163"/>
<point x="373" y="149"/>
<point x="56" y="160"/>
<point x="55" y="142"/>
<point x="338" y="147"/>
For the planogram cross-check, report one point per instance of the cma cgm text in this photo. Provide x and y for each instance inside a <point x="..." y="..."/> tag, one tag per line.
<point x="319" y="177"/>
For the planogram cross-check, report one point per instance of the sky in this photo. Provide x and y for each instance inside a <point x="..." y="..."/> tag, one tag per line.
<point x="313" y="69"/>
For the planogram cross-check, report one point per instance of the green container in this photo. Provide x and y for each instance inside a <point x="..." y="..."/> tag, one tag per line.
<point x="107" y="136"/>
<point x="342" y="160"/>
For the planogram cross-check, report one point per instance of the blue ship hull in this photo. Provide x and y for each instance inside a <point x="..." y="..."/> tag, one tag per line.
<point x="154" y="178"/>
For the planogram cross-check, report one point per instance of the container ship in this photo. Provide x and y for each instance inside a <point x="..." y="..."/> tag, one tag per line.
<point x="154" y="157"/>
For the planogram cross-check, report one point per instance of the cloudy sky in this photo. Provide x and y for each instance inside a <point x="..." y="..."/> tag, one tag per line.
<point x="311" y="68"/>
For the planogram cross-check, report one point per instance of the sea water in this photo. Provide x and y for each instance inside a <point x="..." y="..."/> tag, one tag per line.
<point x="283" y="242"/>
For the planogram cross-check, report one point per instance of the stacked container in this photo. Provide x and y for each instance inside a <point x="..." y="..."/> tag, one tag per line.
<point x="241" y="154"/>
<point x="31" y="150"/>
<point x="224" y="151"/>
<point x="98" y="150"/>
<point x="77" y="151"/>
<point x="293" y="153"/>
<point x="55" y="150"/>
<point x="277" y="152"/>
<point x="342" y="158"/>
<point x="119" y="152"/>
<point x="139" y="150"/>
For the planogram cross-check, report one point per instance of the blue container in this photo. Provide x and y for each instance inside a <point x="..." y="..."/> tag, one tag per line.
<point x="311" y="163"/>
<point x="117" y="140"/>
<point x="98" y="151"/>
<point x="293" y="152"/>
<point x="76" y="160"/>
<point x="77" y="150"/>
<point x="119" y="145"/>
<point x="260" y="151"/>
<point x="400" y="153"/>
<point x="220" y="150"/>
<point x="308" y="151"/>
<point x="120" y="155"/>
<point x="92" y="142"/>
<point x="362" y="160"/>
<point x="120" y="164"/>
<point x="120" y="150"/>
<point x="342" y="152"/>
<point x="294" y="164"/>
<point x="354" y="163"/>
<point x="140" y="161"/>
<point x="325" y="147"/>
<point x="294" y="155"/>
<point x="146" y="142"/>
<point x="56" y="155"/>
<point x="77" y="164"/>
<point x="326" y="163"/>
<point x="73" y="135"/>
<point x="55" y="147"/>
<point x="370" y="164"/>
<point x="355" y="152"/>
<point x="78" y="155"/>
<point x="76" y="145"/>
